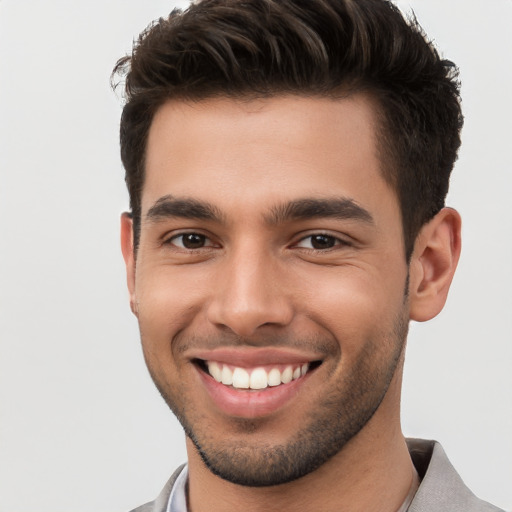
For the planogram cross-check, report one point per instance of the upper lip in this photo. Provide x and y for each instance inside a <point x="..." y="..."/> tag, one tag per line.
<point x="251" y="357"/>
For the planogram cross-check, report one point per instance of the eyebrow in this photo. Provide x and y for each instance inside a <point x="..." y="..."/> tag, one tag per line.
<point x="311" y="208"/>
<point x="300" y="209"/>
<point x="186" y="208"/>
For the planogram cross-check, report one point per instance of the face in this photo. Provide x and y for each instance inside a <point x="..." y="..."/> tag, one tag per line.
<point x="270" y="280"/>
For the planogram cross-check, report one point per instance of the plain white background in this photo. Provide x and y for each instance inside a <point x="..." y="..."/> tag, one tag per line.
<point x="81" y="426"/>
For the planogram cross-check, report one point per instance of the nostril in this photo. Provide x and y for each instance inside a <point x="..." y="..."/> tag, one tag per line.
<point x="246" y="318"/>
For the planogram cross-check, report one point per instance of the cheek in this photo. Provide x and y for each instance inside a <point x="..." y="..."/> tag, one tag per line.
<point x="168" y="301"/>
<point x="354" y="304"/>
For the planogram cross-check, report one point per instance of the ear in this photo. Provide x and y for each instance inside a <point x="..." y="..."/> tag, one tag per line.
<point x="129" y="257"/>
<point x="433" y="263"/>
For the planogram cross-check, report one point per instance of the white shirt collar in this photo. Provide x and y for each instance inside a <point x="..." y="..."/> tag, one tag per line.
<point x="178" y="498"/>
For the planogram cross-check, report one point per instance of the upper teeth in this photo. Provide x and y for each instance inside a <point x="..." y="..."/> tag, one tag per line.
<point x="257" y="378"/>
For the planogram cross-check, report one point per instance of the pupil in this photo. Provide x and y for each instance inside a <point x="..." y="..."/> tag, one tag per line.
<point x="322" y="241"/>
<point x="193" y="241"/>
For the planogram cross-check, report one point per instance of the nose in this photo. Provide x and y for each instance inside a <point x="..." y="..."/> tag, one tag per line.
<point x="250" y="295"/>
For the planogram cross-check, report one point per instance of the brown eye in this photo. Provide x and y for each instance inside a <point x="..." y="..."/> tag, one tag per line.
<point x="322" y="241"/>
<point x="190" y="241"/>
<point x="193" y="241"/>
<point x="319" y="242"/>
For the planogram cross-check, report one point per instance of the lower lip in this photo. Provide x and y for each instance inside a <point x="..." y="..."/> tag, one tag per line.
<point x="247" y="403"/>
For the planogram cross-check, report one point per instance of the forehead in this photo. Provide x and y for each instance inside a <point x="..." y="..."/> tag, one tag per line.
<point x="264" y="151"/>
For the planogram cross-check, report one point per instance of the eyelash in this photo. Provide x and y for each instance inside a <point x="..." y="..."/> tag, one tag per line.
<point x="337" y="242"/>
<point x="172" y="241"/>
<point x="207" y="242"/>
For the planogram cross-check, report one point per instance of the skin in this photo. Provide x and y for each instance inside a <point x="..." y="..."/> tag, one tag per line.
<point x="258" y="279"/>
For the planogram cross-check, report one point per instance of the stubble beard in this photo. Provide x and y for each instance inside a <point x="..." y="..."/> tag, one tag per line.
<point x="339" y="417"/>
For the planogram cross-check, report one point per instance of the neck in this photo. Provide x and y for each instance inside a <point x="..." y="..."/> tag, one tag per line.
<point x="373" y="472"/>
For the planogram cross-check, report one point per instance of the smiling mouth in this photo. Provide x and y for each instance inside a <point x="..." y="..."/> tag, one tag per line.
<point x="256" y="378"/>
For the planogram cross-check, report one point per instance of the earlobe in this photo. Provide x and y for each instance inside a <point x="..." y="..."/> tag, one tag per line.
<point x="129" y="257"/>
<point x="433" y="263"/>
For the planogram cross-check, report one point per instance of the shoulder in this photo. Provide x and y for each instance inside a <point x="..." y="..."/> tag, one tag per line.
<point x="160" y="504"/>
<point x="441" y="488"/>
<point x="148" y="507"/>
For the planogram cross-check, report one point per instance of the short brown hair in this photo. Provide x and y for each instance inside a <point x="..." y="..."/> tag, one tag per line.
<point x="262" y="48"/>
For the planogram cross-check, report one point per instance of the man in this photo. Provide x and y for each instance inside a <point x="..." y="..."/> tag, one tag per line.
<point x="287" y="163"/>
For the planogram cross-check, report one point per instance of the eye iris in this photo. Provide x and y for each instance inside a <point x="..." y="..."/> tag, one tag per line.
<point x="193" y="241"/>
<point x="322" y="241"/>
